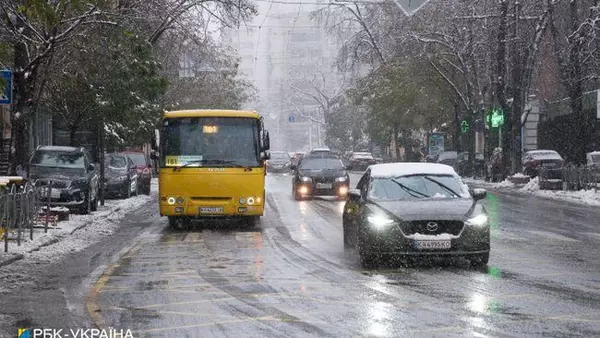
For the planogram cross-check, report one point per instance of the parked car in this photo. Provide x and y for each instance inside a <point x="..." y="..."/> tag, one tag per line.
<point x="535" y="159"/>
<point x="120" y="176"/>
<point x="415" y="210"/>
<point x="279" y="162"/>
<point x="144" y="169"/>
<point x="68" y="174"/>
<point x="320" y="176"/>
<point x="593" y="162"/>
<point x="360" y="161"/>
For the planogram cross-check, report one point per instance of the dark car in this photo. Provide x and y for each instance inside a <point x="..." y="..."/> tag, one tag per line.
<point x="534" y="160"/>
<point x="71" y="174"/>
<point x="120" y="176"/>
<point x="447" y="158"/>
<point x="320" y="176"/>
<point x="144" y="169"/>
<point x="279" y="162"/>
<point x="415" y="209"/>
<point x="360" y="161"/>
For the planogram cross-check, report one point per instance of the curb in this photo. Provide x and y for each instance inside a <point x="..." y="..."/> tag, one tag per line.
<point x="11" y="260"/>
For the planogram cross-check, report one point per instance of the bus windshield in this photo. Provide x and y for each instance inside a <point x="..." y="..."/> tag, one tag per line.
<point x="200" y="141"/>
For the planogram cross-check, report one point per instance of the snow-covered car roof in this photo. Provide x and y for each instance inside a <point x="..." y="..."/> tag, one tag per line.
<point x="594" y="153"/>
<point x="410" y="168"/>
<point x="320" y="149"/>
<point x="59" y="148"/>
<point x="545" y="154"/>
<point x="362" y="155"/>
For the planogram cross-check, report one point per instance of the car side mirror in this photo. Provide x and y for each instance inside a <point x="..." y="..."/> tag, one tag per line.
<point x="266" y="141"/>
<point x="91" y="167"/>
<point x="479" y="194"/>
<point x="354" y="195"/>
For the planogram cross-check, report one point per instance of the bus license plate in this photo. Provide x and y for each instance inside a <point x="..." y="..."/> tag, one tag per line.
<point x="432" y="245"/>
<point x="211" y="210"/>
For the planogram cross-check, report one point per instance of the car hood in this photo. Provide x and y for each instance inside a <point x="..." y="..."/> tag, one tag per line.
<point x="429" y="209"/>
<point x="55" y="174"/>
<point x="325" y="173"/>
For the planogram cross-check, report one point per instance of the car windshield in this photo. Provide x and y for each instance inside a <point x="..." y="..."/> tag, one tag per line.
<point x="138" y="159"/>
<point x="118" y="163"/>
<point x="58" y="159"/>
<point x="595" y="158"/>
<point x="206" y="140"/>
<point x="321" y="164"/>
<point x="417" y="187"/>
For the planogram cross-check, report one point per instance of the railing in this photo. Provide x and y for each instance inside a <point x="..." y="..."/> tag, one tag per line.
<point x="23" y="208"/>
<point x="570" y="177"/>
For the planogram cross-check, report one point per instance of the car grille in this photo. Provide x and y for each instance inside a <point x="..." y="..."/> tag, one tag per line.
<point x="421" y="227"/>
<point x="55" y="183"/>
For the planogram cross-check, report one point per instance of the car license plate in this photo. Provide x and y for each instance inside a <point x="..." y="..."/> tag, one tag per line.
<point x="211" y="210"/>
<point x="324" y="185"/>
<point x="432" y="245"/>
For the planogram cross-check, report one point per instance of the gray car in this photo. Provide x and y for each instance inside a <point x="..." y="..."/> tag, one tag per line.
<point x="418" y="210"/>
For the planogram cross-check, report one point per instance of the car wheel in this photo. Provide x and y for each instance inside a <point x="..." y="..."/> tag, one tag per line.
<point x="251" y="221"/>
<point x="176" y="222"/>
<point x="346" y="232"/>
<point x="367" y="258"/>
<point x="86" y="206"/>
<point x="480" y="259"/>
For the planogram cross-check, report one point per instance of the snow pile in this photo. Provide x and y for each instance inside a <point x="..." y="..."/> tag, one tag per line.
<point x="77" y="233"/>
<point x="504" y="184"/>
<point x="532" y="186"/>
<point x="519" y="175"/>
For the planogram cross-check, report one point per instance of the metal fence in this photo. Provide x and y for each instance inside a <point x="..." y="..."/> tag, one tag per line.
<point x="570" y="177"/>
<point x="19" y="209"/>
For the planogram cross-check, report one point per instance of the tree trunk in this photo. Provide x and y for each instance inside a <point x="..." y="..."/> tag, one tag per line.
<point x="576" y="88"/>
<point x="513" y="130"/>
<point x="73" y="135"/>
<point x="21" y="117"/>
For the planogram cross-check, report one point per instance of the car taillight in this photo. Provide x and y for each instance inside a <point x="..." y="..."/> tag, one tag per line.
<point x="146" y="171"/>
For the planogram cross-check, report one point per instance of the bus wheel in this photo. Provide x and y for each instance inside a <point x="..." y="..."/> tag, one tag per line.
<point x="176" y="222"/>
<point x="251" y="221"/>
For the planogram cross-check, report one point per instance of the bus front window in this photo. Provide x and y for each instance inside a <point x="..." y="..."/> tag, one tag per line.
<point x="196" y="139"/>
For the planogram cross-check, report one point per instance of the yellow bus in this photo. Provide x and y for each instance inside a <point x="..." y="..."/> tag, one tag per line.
<point x="212" y="165"/>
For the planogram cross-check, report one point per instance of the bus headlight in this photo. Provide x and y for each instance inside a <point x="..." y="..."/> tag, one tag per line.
<point x="250" y="200"/>
<point x="180" y="200"/>
<point x="242" y="200"/>
<point x="171" y="200"/>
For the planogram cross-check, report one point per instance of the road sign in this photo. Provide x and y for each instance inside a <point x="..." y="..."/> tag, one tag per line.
<point x="291" y="118"/>
<point x="464" y="126"/>
<point x="436" y="143"/>
<point x="6" y="82"/>
<point x="410" y="7"/>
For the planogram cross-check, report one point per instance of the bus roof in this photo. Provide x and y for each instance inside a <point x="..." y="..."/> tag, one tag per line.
<point x="211" y="113"/>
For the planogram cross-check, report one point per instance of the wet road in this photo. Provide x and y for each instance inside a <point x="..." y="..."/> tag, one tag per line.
<point x="290" y="276"/>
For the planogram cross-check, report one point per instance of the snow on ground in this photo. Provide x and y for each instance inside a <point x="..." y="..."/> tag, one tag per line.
<point x="77" y="233"/>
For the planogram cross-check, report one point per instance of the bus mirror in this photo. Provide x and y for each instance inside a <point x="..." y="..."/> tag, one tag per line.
<point x="156" y="143"/>
<point x="266" y="141"/>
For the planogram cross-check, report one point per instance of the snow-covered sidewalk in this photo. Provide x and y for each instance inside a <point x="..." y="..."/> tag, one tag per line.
<point x="73" y="235"/>
<point x="588" y="197"/>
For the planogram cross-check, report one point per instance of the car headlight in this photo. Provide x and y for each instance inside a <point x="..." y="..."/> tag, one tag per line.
<point x="305" y="179"/>
<point x="341" y="179"/>
<point x="380" y="221"/>
<point x="480" y="220"/>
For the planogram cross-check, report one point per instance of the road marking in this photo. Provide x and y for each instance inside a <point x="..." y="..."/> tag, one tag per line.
<point x="233" y="321"/>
